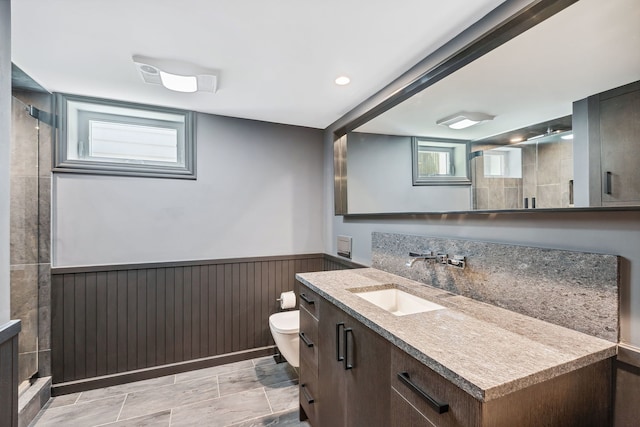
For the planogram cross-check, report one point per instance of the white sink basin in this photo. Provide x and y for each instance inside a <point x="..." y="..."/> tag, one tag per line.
<point x="398" y="302"/>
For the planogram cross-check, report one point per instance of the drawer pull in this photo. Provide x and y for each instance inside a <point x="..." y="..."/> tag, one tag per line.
<point x="307" y="300"/>
<point x="441" y="408"/>
<point x="307" y="396"/>
<point x="306" y="340"/>
<point x="339" y="357"/>
<point x="347" y="365"/>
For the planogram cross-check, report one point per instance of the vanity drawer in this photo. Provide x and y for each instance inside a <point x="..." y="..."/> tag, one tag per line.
<point x="308" y="389"/>
<point x="309" y="300"/>
<point x="434" y="397"/>
<point x="308" y="339"/>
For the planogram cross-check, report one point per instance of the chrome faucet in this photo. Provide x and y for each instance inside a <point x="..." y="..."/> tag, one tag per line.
<point x="417" y="257"/>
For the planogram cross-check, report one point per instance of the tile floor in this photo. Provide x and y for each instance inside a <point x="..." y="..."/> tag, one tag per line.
<point x="255" y="392"/>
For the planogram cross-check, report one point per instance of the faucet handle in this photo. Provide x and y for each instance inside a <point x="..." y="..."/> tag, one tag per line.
<point x="458" y="261"/>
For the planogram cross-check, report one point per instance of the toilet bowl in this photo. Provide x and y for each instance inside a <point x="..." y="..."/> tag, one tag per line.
<point x="284" y="329"/>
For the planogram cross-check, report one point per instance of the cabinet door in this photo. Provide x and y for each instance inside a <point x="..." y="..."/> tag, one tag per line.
<point x="331" y="401"/>
<point x="367" y="360"/>
<point x="620" y="145"/>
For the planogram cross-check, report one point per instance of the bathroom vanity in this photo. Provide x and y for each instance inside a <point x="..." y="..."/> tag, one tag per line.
<point x="452" y="362"/>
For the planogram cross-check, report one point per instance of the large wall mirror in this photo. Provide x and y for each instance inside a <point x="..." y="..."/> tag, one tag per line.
<point x="554" y="117"/>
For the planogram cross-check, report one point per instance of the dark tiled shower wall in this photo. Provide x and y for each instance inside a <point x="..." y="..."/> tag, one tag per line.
<point x="547" y="169"/>
<point x="30" y="231"/>
<point x="576" y="290"/>
<point x="117" y="319"/>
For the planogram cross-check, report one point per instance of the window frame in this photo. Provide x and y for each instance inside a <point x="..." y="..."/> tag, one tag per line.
<point x="443" y="145"/>
<point x="186" y="138"/>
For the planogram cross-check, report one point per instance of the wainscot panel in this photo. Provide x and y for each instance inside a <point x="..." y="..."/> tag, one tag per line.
<point x="120" y="323"/>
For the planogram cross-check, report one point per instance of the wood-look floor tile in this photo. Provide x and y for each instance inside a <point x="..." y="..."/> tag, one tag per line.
<point x="159" y="419"/>
<point x="133" y="387"/>
<point x="223" y="411"/>
<point x="283" y="396"/>
<point x="213" y="371"/>
<point x="64" y="400"/>
<point x="262" y="361"/>
<point x="280" y="419"/>
<point x="260" y="376"/>
<point x="87" y="414"/>
<point x="169" y="396"/>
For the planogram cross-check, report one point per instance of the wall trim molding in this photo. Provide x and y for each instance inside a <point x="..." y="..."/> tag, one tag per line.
<point x="190" y="263"/>
<point x="10" y="330"/>
<point x="158" y="371"/>
<point x="629" y="355"/>
<point x="343" y="261"/>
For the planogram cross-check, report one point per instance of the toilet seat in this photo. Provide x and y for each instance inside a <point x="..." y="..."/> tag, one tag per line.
<point x="286" y="322"/>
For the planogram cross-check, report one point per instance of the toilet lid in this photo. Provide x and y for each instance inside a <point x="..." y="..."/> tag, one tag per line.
<point x="286" y="322"/>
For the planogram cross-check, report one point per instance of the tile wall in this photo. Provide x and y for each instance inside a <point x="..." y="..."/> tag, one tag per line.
<point x="30" y="232"/>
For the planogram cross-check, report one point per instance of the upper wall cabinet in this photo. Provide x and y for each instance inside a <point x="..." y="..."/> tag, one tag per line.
<point x="544" y="99"/>
<point x="620" y="146"/>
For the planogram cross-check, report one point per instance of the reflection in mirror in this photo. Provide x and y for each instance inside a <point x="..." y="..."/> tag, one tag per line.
<point x="563" y="76"/>
<point x="439" y="161"/>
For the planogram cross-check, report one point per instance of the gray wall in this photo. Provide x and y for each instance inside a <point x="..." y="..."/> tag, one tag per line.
<point x="379" y="179"/>
<point x="258" y="193"/>
<point x="5" y="146"/>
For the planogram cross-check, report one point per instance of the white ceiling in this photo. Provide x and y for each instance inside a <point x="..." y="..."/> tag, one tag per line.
<point x="277" y="58"/>
<point x="588" y="48"/>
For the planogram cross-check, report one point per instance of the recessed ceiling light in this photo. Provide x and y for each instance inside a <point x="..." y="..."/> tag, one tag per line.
<point x="516" y="139"/>
<point x="176" y="75"/>
<point x="343" y="80"/>
<point x="464" y="120"/>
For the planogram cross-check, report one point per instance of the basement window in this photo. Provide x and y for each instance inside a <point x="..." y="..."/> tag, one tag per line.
<point x="98" y="136"/>
<point x="440" y="161"/>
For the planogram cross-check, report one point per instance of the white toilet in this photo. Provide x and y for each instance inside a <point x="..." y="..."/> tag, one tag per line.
<point x="284" y="329"/>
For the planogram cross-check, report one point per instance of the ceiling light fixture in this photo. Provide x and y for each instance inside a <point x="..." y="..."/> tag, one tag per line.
<point x="342" y="80"/>
<point x="464" y="120"/>
<point x="176" y="75"/>
<point x="516" y="139"/>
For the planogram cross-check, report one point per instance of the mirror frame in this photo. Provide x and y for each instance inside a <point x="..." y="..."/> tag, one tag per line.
<point x="504" y="23"/>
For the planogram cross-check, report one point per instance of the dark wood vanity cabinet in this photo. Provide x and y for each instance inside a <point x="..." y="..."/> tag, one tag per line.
<point x="350" y="376"/>
<point x="352" y="382"/>
<point x="309" y="385"/>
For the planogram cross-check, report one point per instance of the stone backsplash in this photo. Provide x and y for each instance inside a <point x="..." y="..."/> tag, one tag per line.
<point x="576" y="290"/>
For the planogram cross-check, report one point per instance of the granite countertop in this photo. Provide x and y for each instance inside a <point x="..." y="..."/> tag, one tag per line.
<point x="485" y="350"/>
